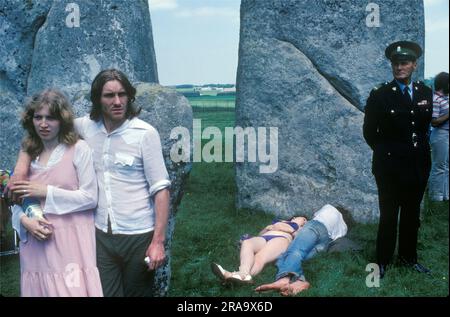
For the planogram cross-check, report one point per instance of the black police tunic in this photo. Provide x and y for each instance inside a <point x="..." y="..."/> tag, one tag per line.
<point x="396" y="128"/>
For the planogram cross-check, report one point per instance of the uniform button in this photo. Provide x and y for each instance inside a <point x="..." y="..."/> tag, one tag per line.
<point x="412" y="111"/>
<point x="389" y="153"/>
<point x="392" y="111"/>
<point x="413" y="123"/>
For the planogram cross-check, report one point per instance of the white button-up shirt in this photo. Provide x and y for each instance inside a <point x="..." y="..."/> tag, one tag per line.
<point x="333" y="221"/>
<point x="130" y="169"/>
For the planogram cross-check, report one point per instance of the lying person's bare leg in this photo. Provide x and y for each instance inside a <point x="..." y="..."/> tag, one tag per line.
<point x="275" y="286"/>
<point x="294" y="288"/>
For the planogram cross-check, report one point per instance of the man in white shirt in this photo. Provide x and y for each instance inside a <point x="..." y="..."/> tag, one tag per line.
<point x="327" y="225"/>
<point x="133" y="208"/>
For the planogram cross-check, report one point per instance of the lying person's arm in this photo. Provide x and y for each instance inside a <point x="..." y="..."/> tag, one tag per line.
<point x="283" y="226"/>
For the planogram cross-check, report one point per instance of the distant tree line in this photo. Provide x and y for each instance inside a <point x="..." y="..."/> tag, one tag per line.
<point x="197" y="94"/>
<point x="191" y="93"/>
<point x="187" y="86"/>
<point x="184" y="86"/>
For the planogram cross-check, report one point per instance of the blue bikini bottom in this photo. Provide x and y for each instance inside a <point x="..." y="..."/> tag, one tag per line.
<point x="270" y="237"/>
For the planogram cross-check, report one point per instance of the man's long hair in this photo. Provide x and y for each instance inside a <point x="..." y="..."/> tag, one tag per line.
<point x="60" y="108"/>
<point x="96" y="93"/>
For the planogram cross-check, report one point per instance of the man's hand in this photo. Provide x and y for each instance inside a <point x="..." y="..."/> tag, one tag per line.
<point x="20" y="174"/>
<point x="39" y="228"/>
<point x="156" y="251"/>
<point x="25" y="188"/>
<point x="157" y="255"/>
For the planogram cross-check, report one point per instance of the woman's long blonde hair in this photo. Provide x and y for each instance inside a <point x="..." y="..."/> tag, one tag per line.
<point x="60" y="108"/>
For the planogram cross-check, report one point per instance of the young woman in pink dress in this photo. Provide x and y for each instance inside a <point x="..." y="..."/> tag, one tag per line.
<point x="57" y="252"/>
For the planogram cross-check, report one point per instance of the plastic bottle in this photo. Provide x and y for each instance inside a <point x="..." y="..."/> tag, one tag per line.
<point x="32" y="208"/>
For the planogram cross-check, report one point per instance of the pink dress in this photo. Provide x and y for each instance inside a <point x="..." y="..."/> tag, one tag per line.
<point x="65" y="264"/>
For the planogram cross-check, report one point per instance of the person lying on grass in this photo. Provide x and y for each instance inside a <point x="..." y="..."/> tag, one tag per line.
<point x="258" y="251"/>
<point x="327" y="225"/>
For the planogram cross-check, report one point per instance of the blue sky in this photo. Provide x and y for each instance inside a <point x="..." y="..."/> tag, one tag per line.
<point x="196" y="41"/>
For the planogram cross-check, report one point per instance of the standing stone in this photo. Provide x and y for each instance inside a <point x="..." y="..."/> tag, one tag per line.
<point x="307" y="67"/>
<point x="80" y="38"/>
<point x="19" y="22"/>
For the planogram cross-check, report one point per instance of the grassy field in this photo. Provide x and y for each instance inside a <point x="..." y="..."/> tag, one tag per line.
<point x="206" y="103"/>
<point x="208" y="228"/>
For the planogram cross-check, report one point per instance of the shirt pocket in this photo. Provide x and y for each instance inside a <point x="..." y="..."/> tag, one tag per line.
<point x="124" y="163"/>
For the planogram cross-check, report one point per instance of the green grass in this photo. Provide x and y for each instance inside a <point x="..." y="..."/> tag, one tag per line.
<point x="208" y="227"/>
<point x="9" y="268"/>
<point x="207" y="102"/>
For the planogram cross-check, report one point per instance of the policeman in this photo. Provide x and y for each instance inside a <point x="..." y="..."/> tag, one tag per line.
<point x="396" y="122"/>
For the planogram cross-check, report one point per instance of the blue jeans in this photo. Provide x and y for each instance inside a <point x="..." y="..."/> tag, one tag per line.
<point x="438" y="183"/>
<point x="310" y="240"/>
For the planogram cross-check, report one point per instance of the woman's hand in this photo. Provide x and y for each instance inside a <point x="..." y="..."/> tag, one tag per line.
<point x="39" y="228"/>
<point x="29" y="189"/>
<point x="282" y="226"/>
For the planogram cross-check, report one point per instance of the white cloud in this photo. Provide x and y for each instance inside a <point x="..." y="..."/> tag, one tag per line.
<point x="162" y="4"/>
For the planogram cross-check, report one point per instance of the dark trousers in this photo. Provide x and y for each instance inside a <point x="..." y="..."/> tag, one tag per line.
<point x="398" y="199"/>
<point x="120" y="261"/>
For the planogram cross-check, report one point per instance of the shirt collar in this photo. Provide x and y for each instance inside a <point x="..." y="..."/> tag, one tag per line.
<point x="118" y="130"/>
<point x="402" y="86"/>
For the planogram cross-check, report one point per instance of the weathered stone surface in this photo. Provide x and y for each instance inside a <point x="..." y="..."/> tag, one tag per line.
<point x="111" y="34"/>
<point x="11" y="131"/>
<point x="19" y="22"/>
<point x="307" y="68"/>
<point x="164" y="109"/>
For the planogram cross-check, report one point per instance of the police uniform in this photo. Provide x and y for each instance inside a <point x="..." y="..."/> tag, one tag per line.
<point x="396" y="128"/>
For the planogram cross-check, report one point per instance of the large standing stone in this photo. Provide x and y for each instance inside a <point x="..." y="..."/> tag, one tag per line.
<point x="19" y="22"/>
<point x="307" y="68"/>
<point x="110" y="34"/>
<point x="38" y="50"/>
